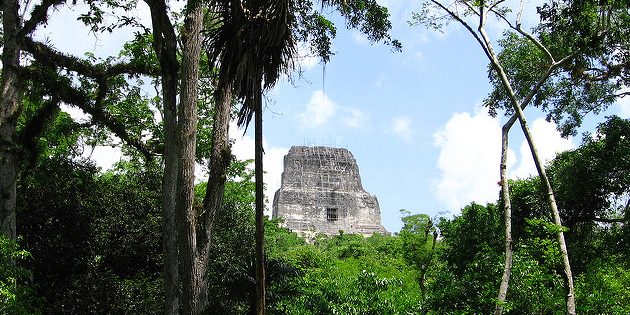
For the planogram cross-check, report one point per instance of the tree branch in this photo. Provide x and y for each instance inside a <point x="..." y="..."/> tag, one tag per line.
<point x="39" y="15"/>
<point x="536" y="88"/>
<point x="482" y="16"/>
<point x="464" y="23"/>
<point x="35" y="126"/>
<point x="607" y="220"/>
<point x="70" y="95"/>
<point x="494" y="5"/>
<point x="49" y="56"/>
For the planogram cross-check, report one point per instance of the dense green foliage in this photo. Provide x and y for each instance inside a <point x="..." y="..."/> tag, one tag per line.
<point x="93" y="242"/>
<point x="349" y="274"/>
<point x="90" y="241"/>
<point x="591" y="37"/>
<point x="94" y="238"/>
<point x="16" y="296"/>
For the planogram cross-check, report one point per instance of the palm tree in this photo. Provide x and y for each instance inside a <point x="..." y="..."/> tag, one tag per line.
<point x="253" y="45"/>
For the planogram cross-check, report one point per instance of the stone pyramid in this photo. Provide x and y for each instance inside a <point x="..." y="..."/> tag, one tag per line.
<point x="321" y="192"/>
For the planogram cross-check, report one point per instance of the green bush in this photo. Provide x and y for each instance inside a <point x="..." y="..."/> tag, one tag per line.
<point x="16" y="295"/>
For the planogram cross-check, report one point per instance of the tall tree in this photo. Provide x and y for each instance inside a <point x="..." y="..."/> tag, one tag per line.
<point x="254" y="44"/>
<point x="44" y="67"/>
<point x="93" y="96"/>
<point x="177" y="78"/>
<point x="187" y="243"/>
<point x="416" y="234"/>
<point x="191" y="273"/>
<point x="165" y="47"/>
<point x="9" y="111"/>
<point x="518" y="94"/>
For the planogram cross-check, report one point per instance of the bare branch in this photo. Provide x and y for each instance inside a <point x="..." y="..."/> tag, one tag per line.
<point x="482" y="16"/>
<point x="494" y="5"/>
<point x="503" y="18"/>
<point x="463" y="23"/>
<point x="517" y="27"/>
<point x="471" y="8"/>
<point x="519" y="15"/>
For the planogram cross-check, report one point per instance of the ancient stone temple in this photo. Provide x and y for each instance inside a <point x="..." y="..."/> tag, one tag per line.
<point x="321" y="192"/>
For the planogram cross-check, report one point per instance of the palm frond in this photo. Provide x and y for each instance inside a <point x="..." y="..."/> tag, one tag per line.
<point x="252" y="45"/>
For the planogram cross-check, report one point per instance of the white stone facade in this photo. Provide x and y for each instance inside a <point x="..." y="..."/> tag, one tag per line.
<point x="321" y="192"/>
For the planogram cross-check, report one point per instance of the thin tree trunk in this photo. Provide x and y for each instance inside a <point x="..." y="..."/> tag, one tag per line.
<point x="507" y="213"/>
<point x="165" y="46"/>
<point x="423" y="272"/>
<point x="219" y="161"/>
<point x="555" y="213"/>
<point x="260" y="206"/>
<point x="169" y="191"/>
<point x="9" y="112"/>
<point x="169" y="230"/>
<point x="486" y="45"/>
<point x="189" y="270"/>
<point x="518" y="108"/>
<point x="545" y="181"/>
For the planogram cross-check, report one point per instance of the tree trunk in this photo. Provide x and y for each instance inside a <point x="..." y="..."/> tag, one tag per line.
<point x="189" y="270"/>
<point x="485" y="43"/>
<point x="260" y="206"/>
<point x="507" y="213"/>
<point x="179" y="181"/>
<point x="219" y="161"/>
<point x="518" y="109"/>
<point x="165" y="46"/>
<point x="169" y="230"/>
<point x="555" y="213"/>
<point x="423" y="272"/>
<point x="9" y="112"/>
<point x="545" y="181"/>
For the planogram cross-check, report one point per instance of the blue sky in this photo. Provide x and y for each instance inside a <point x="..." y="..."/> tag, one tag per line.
<point x="412" y="119"/>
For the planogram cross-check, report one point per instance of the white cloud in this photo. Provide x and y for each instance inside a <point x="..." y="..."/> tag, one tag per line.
<point x="401" y="126"/>
<point x="354" y="118"/>
<point x="273" y="160"/>
<point x="470" y="148"/>
<point x="274" y="166"/>
<point x="548" y="143"/>
<point x="318" y="111"/>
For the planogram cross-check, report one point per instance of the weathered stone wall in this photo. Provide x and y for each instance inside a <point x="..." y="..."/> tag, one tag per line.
<point x="321" y="192"/>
